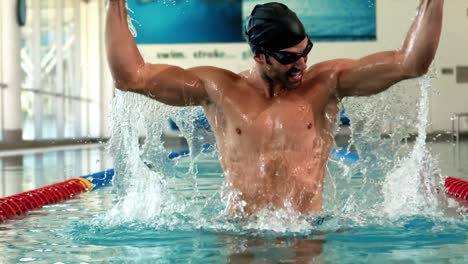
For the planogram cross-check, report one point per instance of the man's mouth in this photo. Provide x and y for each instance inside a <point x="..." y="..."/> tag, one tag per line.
<point x="295" y="76"/>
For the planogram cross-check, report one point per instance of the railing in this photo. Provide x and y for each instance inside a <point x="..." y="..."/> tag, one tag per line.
<point x="456" y="134"/>
<point x="2" y="86"/>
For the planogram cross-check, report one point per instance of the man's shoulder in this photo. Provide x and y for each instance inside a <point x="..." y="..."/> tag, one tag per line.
<point x="217" y="80"/>
<point x="329" y="65"/>
<point x="212" y="73"/>
<point x="329" y="68"/>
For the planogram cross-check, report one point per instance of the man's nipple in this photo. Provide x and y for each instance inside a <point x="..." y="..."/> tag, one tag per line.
<point x="238" y="131"/>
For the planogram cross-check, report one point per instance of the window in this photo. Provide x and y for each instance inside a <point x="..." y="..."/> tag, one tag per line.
<point x="53" y="99"/>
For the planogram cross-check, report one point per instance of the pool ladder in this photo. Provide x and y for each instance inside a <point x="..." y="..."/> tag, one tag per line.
<point x="456" y="136"/>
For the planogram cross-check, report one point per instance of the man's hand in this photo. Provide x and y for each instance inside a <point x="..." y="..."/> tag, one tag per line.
<point x="377" y="72"/>
<point x="166" y="83"/>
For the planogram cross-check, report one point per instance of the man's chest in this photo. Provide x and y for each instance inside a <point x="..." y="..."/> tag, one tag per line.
<point x="280" y="123"/>
<point x="247" y="113"/>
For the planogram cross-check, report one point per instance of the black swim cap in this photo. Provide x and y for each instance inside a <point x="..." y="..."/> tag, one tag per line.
<point x="273" y="26"/>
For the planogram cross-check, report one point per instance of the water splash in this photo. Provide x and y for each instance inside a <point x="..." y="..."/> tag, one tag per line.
<point x="130" y="21"/>
<point x="395" y="176"/>
<point x="379" y="125"/>
<point x="139" y="189"/>
<point x="145" y="176"/>
<point x="392" y="178"/>
<point x="410" y="187"/>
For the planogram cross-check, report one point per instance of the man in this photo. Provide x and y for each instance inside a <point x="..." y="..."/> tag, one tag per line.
<point x="274" y="123"/>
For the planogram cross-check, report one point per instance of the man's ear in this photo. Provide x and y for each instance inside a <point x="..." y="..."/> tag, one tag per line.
<point x="259" y="58"/>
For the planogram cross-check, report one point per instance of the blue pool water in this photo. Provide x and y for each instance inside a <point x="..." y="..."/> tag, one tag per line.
<point x="382" y="208"/>
<point x="195" y="230"/>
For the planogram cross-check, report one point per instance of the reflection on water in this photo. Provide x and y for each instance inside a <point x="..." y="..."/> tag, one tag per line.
<point x="28" y="171"/>
<point x="275" y="250"/>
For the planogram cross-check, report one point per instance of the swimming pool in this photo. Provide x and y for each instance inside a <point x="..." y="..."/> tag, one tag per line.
<point x="382" y="208"/>
<point x="191" y="227"/>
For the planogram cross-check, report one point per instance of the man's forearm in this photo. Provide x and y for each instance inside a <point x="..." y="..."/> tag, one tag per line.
<point x="423" y="37"/>
<point x="122" y="53"/>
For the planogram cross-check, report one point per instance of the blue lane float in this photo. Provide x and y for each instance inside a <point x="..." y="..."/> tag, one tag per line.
<point x="338" y="153"/>
<point x="100" y="179"/>
<point x="201" y="122"/>
<point x="343" y="154"/>
<point x="179" y="153"/>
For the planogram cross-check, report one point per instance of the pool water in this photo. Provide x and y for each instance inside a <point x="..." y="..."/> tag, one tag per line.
<point x="192" y="228"/>
<point x="386" y="207"/>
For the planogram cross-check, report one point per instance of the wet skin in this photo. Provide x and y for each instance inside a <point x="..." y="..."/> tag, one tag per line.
<point x="274" y="149"/>
<point x="274" y="123"/>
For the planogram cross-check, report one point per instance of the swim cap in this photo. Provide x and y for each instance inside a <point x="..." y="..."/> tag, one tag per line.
<point x="273" y="26"/>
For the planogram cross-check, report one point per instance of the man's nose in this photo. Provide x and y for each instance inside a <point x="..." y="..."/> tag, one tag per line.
<point x="301" y="63"/>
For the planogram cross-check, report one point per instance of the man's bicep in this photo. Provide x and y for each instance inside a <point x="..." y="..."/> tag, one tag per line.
<point x="171" y="85"/>
<point x="369" y="75"/>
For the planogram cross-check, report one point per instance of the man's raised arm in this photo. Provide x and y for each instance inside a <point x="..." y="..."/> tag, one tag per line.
<point x="377" y="72"/>
<point x="166" y="83"/>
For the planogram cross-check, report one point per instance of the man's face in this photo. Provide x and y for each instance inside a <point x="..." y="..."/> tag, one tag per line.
<point x="290" y="75"/>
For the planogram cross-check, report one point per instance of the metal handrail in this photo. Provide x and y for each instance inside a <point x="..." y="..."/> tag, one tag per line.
<point x="456" y="133"/>
<point x="2" y="121"/>
<point x="56" y="94"/>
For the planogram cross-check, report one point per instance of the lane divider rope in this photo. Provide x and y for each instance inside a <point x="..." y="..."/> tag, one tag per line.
<point x="24" y="202"/>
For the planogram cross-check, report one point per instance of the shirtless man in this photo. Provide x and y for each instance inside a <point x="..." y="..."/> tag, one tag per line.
<point x="274" y="123"/>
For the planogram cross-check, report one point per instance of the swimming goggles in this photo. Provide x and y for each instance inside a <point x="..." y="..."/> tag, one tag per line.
<point x="287" y="57"/>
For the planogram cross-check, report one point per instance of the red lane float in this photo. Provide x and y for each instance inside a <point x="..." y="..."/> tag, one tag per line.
<point x="457" y="188"/>
<point x="21" y="203"/>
